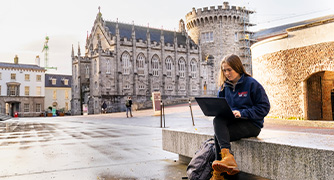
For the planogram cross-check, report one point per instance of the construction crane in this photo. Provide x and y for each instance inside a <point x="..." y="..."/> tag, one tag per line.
<point x="45" y="50"/>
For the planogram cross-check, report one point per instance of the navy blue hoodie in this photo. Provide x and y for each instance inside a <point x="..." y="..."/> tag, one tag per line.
<point x="249" y="97"/>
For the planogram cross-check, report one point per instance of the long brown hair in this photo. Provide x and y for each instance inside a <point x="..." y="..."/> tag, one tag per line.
<point x="235" y="63"/>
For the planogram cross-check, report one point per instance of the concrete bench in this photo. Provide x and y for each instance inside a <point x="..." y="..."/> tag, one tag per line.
<point x="273" y="154"/>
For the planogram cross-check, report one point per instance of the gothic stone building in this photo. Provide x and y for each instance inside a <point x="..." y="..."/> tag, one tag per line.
<point x="295" y="64"/>
<point x="122" y="59"/>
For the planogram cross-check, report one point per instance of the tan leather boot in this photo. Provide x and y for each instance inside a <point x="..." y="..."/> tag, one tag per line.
<point x="217" y="176"/>
<point x="227" y="164"/>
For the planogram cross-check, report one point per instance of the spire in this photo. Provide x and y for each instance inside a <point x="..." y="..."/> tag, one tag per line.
<point x="162" y="37"/>
<point x="133" y="31"/>
<point x="148" y="35"/>
<point x="72" y="51"/>
<point x="79" y="53"/>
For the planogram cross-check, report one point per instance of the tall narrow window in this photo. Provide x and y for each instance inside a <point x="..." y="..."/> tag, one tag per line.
<point x="38" y="78"/>
<point x="87" y="71"/>
<point x="27" y="77"/>
<point x="13" y="76"/>
<point x="155" y="66"/>
<point x="108" y="66"/>
<point x="38" y="107"/>
<point x="193" y="68"/>
<point x="54" y="81"/>
<point x="38" y="90"/>
<point x="26" y="90"/>
<point x="140" y="64"/>
<point x="0" y="76"/>
<point x="126" y="63"/>
<point x="95" y="66"/>
<point x="54" y="94"/>
<point x="26" y="107"/>
<point x="66" y="94"/>
<point x="182" y="68"/>
<point x="169" y="66"/>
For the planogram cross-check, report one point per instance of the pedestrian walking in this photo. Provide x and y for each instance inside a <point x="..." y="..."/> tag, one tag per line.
<point x="104" y="107"/>
<point x="247" y="99"/>
<point x="128" y="104"/>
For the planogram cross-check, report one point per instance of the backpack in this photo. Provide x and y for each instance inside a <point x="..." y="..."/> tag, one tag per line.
<point x="200" y="166"/>
<point x="127" y="103"/>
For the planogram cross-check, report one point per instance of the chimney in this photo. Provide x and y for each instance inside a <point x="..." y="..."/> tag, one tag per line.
<point x="37" y="61"/>
<point x="16" y="60"/>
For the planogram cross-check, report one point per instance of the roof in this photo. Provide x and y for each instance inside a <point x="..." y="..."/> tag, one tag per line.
<point x="125" y="30"/>
<point x="21" y="66"/>
<point x="59" y="80"/>
<point x="270" y="32"/>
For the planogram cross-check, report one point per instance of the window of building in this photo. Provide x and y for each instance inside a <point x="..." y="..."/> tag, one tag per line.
<point x="38" y="90"/>
<point x="66" y="82"/>
<point x="193" y="68"/>
<point x="0" y="90"/>
<point x="127" y="86"/>
<point x="54" y="94"/>
<point x="26" y="90"/>
<point x="87" y="71"/>
<point x="0" y="76"/>
<point x="194" y="87"/>
<point x="66" y="94"/>
<point x="13" y="90"/>
<point x="26" y="107"/>
<point x="182" y="87"/>
<point x="182" y="67"/>
<point x="141" y="86"/>
<point x="140" y="64"/>
<point x="169" y="87"/>
<point x="207" y="37"/>
<point x="169" y="66"/>
<point x="156" y="86"/>
<point x="1" y="109"/>
<point x="108" y="67"/>
<point x="155" y="66"/>
<point x="95" y="66"/>
<point x="235" y="36"/>
<point x="126" y="63"/>
<point x="38" y="78"/>
<point x="13" y="76"/>
<point x="38" y="107"/>
<point x="54" y="81"/>
<point x="27" y="77"/>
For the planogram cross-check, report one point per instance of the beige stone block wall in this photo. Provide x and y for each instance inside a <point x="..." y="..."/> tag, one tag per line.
<point x="284" y="73"/>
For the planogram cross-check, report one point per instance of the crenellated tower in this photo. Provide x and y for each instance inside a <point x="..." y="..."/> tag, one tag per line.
<point x="220" y="31"/>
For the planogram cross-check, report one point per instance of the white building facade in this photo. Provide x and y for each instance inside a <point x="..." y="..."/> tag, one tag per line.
<point x="21" y="89"/>
<point x="58" y="92"/>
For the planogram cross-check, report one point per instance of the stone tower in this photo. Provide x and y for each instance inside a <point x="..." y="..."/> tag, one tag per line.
<point x="221" y="31"/>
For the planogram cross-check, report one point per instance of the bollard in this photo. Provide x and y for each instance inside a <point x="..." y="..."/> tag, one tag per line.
<point x="161" y="114"/>
<point x="191" y="111"/>
<point x="163" y="108"/>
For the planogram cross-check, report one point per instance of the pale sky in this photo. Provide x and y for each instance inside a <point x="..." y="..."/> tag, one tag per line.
<point x="25" y="23"/>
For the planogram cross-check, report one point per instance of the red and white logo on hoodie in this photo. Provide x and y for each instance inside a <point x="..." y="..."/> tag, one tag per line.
<point x="243" y="94"/>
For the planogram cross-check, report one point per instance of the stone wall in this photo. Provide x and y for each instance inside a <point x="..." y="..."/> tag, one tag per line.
<point x="284" y="75"/>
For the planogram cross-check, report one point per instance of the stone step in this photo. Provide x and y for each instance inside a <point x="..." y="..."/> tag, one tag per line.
<point x="273" y="154"/>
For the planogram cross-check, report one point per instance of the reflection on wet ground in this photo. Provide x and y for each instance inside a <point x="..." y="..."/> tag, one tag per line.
<point x="36" y="149"/>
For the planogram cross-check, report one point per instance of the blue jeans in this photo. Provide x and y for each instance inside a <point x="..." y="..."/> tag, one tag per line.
<point x="127" y="110"/>
<point x="227" y="131"/>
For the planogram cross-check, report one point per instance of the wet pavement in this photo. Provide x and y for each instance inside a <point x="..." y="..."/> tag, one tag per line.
<point x="105" y="146"/>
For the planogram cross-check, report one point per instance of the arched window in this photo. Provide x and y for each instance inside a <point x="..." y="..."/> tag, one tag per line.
<point x="108" y="66"/>
<point x="87" y="71"/>
<point x="126" y="63"/>
<point x="182" y="65"/>
<point x="95" y="67"/>
<point x="155" y="66"/>
<point x="140" y="64"/>
<point x="169" y="66"/>
<point x="193" y="68"/>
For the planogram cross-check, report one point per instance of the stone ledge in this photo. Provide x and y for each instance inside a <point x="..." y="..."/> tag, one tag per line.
<point x="273" y="154"/>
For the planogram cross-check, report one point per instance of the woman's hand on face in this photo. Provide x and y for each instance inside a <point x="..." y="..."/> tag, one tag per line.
<point x="236" y="113"/>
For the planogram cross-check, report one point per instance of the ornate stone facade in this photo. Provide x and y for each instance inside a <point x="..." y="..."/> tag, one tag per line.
<point x="296" y="67"/>
<point x="126" y="60"/>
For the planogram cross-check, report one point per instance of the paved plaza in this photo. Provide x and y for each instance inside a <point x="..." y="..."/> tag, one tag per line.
<point x="105" y="146"/>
